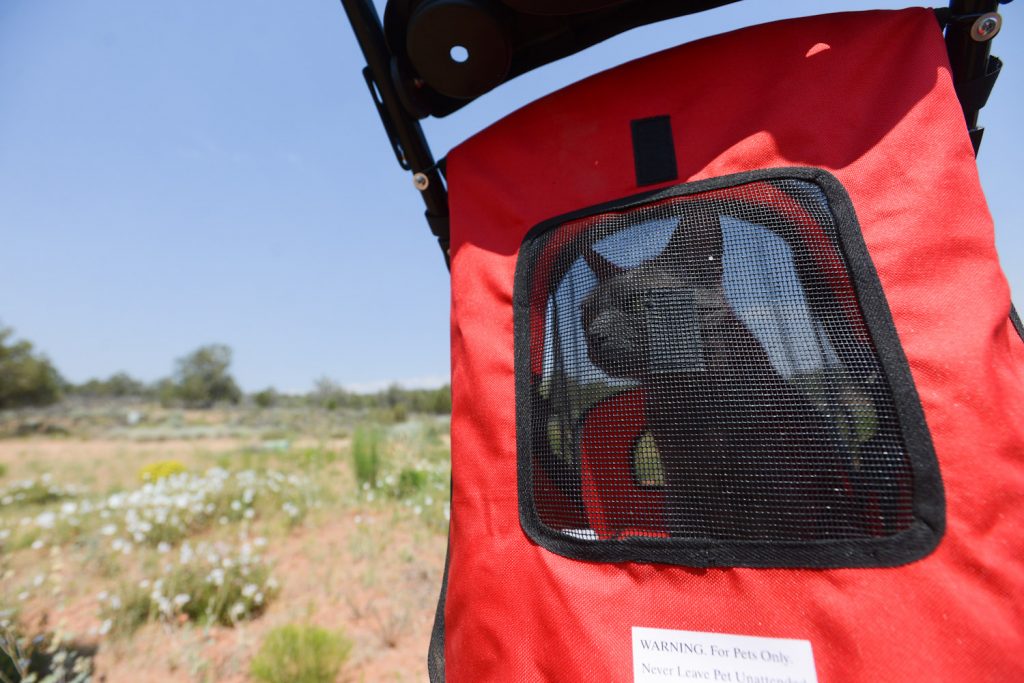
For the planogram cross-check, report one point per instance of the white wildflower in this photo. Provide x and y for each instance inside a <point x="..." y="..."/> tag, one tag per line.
<point x="216" y="577"/>
<point x="186" y="554"/>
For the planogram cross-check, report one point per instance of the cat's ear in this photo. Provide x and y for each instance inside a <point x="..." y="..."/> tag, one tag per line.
<point x="697" y="242"/>
<point x="602" y="267"/>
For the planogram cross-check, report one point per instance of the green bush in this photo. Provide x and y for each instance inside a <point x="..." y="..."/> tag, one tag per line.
<point x="316" y="458"/>
<point x="128" y="611"/>
<point x="301" y="654"/>
<point x="3" y="470"/>
<point x="33" y="492"/>
<point x="266" y="398"/>
<point x="118" y="385"/>
<point x="205" y="590"/>
<point x="394" y="404"/>
<point x="26" y="378"/>
<point x="202" y="378"/>
<point x="223" y="601"/>
<point x="366" y="455"/>
<point x="410" y="482"/>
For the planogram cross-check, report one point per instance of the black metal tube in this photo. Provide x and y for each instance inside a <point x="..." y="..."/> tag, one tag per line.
<point x="411" y="143"/>
<point x="968" y="58"/>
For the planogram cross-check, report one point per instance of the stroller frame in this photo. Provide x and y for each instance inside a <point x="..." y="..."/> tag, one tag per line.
<point x="969" y="27"/>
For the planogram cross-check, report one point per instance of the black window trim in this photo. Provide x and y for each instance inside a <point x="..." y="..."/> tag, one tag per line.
<point x="929" y="509"/>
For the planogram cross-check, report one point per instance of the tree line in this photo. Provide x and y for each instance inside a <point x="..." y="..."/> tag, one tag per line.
<point x="200" y="379"/>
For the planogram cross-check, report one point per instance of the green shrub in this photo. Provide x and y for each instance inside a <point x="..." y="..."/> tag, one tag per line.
<point x="222" y="598"/>
<point x="315" y="458"/>
<point x="3" y="470"/>
<point x="366" y="455"/>
<point x="118" y="385"/>
<point x="266" y="398"/>
<point x="202" y="378"/>
<point x="33" y="492"/>
<point x="26" y="377"/>
<point x="301" y="654"/>
<point x="207" y="589"/>
<point x="410" y="482"/>
<point x="156" y="471"/>
<point x="128" y="611"/>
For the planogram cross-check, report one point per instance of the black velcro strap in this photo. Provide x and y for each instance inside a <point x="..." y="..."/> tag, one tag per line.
<point x="654" y="153"/>
<point x="974" y="93"/>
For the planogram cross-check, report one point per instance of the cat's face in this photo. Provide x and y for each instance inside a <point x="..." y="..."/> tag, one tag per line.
<point x="613" y="324"/>
<point x="629" y="305"/>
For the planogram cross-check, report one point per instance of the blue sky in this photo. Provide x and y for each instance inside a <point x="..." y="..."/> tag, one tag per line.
<point x="174" y="174"/>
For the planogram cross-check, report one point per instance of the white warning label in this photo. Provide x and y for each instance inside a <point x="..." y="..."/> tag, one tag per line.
<point x="663" y="655"/>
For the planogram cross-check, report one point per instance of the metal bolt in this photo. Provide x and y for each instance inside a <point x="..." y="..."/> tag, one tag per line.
<point x="420" y="181"/>
<point x="986" y="27"/>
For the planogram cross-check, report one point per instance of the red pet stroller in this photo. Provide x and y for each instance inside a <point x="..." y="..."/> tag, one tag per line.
<point x="738" y="389"/>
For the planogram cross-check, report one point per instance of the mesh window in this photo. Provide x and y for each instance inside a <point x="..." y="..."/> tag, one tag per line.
<point x="700" y="373"/>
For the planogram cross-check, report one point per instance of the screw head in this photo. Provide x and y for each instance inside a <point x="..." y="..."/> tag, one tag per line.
<point x="986" y="27"/>
<point x="420" y="181"/>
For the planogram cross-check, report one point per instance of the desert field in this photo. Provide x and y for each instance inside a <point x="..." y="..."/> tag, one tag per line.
<point x="139" y="543"/>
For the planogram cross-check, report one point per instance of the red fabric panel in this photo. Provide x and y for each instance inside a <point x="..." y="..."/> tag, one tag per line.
<point x="604" y="425"/>
<point x="868" y="97"/>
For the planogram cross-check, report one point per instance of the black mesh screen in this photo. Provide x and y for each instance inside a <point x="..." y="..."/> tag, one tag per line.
<point x="700" y="368"/>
